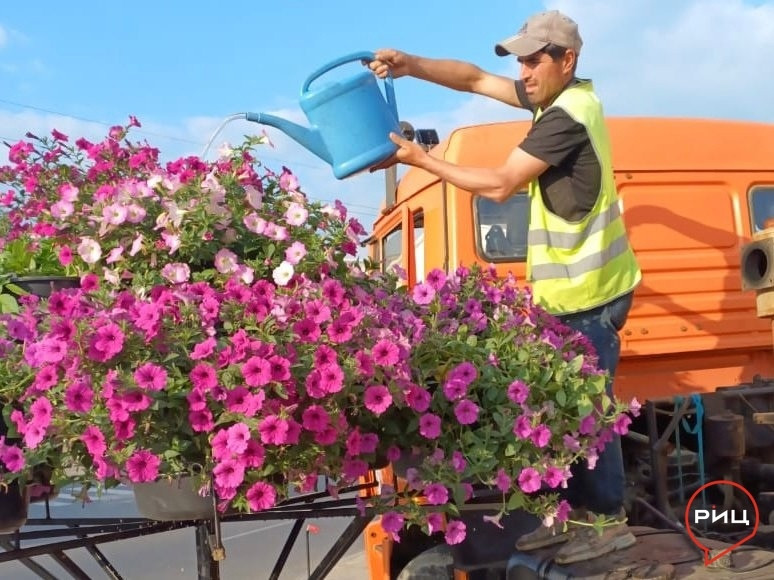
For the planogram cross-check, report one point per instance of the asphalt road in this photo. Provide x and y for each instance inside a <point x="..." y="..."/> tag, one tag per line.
<point x="251" y="547"/>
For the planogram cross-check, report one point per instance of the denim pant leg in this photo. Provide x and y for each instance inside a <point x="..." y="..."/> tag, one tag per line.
<point x="601" y="489"/>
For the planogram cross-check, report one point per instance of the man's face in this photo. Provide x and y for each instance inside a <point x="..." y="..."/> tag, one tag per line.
<point x="545" y="77"/>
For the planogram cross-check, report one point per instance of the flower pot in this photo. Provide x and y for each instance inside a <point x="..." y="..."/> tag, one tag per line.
<point x="171" y="500"/>
<point x="13" y="508"/>
<point x="43" y="286"/>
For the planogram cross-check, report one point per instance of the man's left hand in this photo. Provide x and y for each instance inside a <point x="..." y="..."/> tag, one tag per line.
<point x="408" y="152"/>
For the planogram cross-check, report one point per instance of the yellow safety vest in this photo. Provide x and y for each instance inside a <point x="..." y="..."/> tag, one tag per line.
<point x="576" y="266"/>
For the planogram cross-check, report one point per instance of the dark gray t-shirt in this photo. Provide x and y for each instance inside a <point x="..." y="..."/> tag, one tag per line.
<point x="571" y="184"/>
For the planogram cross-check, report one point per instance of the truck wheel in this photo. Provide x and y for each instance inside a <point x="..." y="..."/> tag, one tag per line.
<point x="433" y="564"/>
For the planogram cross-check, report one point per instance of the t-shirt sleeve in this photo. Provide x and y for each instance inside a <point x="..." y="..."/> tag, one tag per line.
<point x="554" y="137"/>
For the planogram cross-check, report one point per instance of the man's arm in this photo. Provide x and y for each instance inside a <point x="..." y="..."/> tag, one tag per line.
<point x="454" y="74"/>
<point x="497" y="184"/>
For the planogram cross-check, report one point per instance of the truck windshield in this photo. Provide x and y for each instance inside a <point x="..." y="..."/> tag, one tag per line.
<point x="501" y="228"/>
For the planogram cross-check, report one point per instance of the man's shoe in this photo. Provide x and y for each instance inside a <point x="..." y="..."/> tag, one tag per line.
<point x="545" y="536"/>
<point x="586" y="543"/>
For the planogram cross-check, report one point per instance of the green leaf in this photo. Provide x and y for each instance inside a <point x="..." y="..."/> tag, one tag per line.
<point x="515" y="501"/>
<point x="561" y="398"/>
<point x="585" y="406"/>
<point x="8" y="304"/>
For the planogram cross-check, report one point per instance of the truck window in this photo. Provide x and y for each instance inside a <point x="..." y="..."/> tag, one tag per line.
<point x="762" y="208"/>
<point x="391" y="249"/>
<point x="502" y="228"/>
<point x="419" y="245"/>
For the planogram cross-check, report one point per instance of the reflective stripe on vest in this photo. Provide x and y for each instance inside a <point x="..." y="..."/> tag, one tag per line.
<point x="576" y="266"/>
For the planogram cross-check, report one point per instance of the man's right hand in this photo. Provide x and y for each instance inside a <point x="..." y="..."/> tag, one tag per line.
<point x="389" y="60"/>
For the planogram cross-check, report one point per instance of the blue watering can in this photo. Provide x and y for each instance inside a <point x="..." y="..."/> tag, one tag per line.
<point x="350" y="120"/>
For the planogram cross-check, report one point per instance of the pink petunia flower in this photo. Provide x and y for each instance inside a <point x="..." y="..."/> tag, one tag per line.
<point x="385" y="353"/>
<point x="518" y="391"/>
<point x="261" y="496"/>
<point x="466" y="412"/>
<point x="430" y="426"/>
<point x="540" y="436"/>
<point x="151" y="377"/>
<point x="529" y="480"/>
<point x="456" y="531"/>
<point x="436" y="494"/>
<point x="229" y="473"/>
<point x="315" y="418"/>
<point x="142" y="466"/>
<point x="423" y="293"/>
<point x="377" y="399"/>
<point x="256" y="371"/>
<point x="94" y="440"/>
<point x="238" y="436"/>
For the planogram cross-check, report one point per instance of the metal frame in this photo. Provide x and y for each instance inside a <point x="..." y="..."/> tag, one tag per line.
<point x="88" y="533"/>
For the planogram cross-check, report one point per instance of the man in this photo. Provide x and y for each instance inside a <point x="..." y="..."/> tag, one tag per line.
<point x="579" y="261"/>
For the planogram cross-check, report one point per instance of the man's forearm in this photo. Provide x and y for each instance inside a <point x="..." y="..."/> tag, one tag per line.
<point x="493" y="184"/>
<point x="454" y="74"/>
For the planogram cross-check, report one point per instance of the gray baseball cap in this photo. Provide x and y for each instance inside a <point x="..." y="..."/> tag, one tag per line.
<point x="539" y="31"/>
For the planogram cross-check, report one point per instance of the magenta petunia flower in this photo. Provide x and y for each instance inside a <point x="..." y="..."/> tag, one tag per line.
<point x="307" y="330"/>
<point x="229" y="473"/>
<point x="240" y="400"/>
<point x="436" y="494"/>
<point x="522" y="427"/>
<point x="274" y="430"/>
<point x="238" y="436"/>
<point x="219" y="444"/>
<point x="377" y="399"/>
<point x="621" y="424"/>
<point x="280" y="368"/>
<point x="529" y="480"/>
<point x="503" y="481"/>
<point x="331" y="378"/>
<point x="518" y="391"/>
<point x="454" y="389"/>
<point x="417" y="398"/>
<point x="458" y="461"/>
<point x="315" y="418"/>
<point x="436" y="278"/>
<point x="256" y="371"/>
<point x="46" y="378"/>
<point x="203" y="349"/>
<point x="587" y="425"/>
<point x="325" y="356"/>
<point x="466" y="412"/>
<point x="79" y="397"/>
<point x="430" y="426"/>
<point x="13" y="458"/>
<point x="392" y="522"/>
<point x="423" y="293"/>
<point x="317" y="311"/>
<point x="540" y="436"/>
<point x="340" y="330"/>
<point x="41" y="410"/>
<point x="151" y="377"/>
<point x="135" y="400"/>
<point x="554" y="477"/>
<point x="571" y="443"/>
<point x="261" y="496"/>
<point x="456" y="531"/>
<point x="563" y="511"/>
<point x="51" y="350"/>
<point x="465" y="372"/>
<point x="254" y="454"/>
<point x="434" y="522"/>
<point x="107" y="342"/>
<point x="94" y="440"/>
<point x="142" y="466"/>
<point x="201" y="421"/>
<point x="203" y="376"/>
<point x="385" y="353"/>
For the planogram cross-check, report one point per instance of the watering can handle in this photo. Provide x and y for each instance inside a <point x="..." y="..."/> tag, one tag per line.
<point x="389" y="90"/>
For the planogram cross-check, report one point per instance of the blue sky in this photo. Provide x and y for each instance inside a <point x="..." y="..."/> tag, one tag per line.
<point x="182" y="67"/>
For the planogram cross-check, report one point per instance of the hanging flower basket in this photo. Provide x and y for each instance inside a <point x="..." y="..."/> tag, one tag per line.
<point x="173" y="499"/>
<point x="13" y="507"/>
<point x="43" y="286"/>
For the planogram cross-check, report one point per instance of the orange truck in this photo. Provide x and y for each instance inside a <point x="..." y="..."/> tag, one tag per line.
<point x="698" y="201"/>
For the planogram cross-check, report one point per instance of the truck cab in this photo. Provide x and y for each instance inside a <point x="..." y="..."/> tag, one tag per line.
<point x="693" y="194"/>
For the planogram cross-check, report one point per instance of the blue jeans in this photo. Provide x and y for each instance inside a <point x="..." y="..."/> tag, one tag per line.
<point x="601" y="490"/>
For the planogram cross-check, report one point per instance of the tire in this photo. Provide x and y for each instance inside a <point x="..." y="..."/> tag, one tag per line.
<point x="434" y="564"/>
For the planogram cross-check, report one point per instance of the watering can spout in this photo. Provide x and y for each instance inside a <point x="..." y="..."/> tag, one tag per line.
<point x="308" y="138"/>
